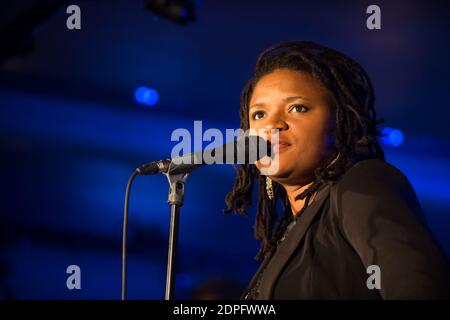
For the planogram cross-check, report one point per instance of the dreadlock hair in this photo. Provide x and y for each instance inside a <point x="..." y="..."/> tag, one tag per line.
<point x="355" y="131"/>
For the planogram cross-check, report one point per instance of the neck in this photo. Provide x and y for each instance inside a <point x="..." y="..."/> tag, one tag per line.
<point x="293" y="191"/>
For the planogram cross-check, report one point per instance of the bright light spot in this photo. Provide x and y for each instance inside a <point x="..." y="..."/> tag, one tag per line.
<point x="392" y="137"/>
<point x="146" y="96"/>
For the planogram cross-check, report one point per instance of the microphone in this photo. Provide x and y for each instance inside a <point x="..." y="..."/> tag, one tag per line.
<point x="245" y="150"/>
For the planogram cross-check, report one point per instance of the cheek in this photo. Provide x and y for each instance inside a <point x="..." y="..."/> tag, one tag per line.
<point x="315" y="140"/>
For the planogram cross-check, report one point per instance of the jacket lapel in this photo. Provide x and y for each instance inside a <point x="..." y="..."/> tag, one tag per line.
<point x="255" y="277"/>
<point x="288" y="246"/>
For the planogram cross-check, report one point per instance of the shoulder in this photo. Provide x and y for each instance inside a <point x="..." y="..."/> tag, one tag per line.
<point x="374" y="185"/>
<point x="377" y="212"/>
<point x="374" y="176"/>
<point x="372" y="168"/>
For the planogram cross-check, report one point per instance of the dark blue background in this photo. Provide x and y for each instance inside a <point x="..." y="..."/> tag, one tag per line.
<point x="71" y="133"/>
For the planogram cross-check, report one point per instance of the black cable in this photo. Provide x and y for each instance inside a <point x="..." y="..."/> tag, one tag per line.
<point x="124" y="235"/>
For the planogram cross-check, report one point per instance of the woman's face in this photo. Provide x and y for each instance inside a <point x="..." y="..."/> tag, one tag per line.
<point x="302" y="110"/>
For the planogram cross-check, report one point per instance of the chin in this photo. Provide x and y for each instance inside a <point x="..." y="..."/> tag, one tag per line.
<point x="281" y="174"/>
<point x="292" y="173"/>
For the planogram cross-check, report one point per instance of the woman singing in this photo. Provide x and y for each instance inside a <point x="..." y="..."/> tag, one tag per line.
<point x="351" y="226"/>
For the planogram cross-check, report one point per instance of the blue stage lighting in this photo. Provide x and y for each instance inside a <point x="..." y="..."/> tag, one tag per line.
<point x="146" y="96"/>
<point x="184" y="280"/>
<point x="396" y="137"/>
<point x="392" y="137"/>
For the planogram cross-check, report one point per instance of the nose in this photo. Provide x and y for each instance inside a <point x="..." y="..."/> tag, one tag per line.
<point x="272" y="133"/>
<point x="275" y="124"/>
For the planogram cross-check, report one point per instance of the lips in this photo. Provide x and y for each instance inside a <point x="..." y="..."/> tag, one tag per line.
<point x="282" y="144"/>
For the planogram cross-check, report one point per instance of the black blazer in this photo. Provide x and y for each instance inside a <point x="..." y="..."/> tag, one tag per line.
<point x="370" y="216"/>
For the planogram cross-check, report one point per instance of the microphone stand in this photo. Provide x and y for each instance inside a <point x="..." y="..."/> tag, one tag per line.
<point x="175" y="200"/>
<point x="177" y="173"/>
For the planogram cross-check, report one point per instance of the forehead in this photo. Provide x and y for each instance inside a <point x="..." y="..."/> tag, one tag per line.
<point x="282" y="82"/>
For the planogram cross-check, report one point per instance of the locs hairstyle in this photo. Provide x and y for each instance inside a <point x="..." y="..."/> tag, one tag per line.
<point x="355" y="132"/>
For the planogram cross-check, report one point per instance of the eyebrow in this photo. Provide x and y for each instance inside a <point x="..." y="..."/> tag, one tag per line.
<point x="287" y="100"/>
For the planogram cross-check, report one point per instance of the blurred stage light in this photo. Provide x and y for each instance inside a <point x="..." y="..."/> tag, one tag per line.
<point x="178" y="11"/>
<point x="146" y="96"/>
<point x="184" y="280"/>
<point x="392" y="137"/>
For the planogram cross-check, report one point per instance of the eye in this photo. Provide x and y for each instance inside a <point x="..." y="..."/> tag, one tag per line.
<point x="299" y="108"/>
<point x="257" y="115"/>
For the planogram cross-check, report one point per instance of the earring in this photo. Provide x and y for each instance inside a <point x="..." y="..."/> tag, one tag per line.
<point x="269" y="188"/>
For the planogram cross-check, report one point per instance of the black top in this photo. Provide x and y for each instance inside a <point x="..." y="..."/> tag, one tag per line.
<point x="370" y="216"/>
